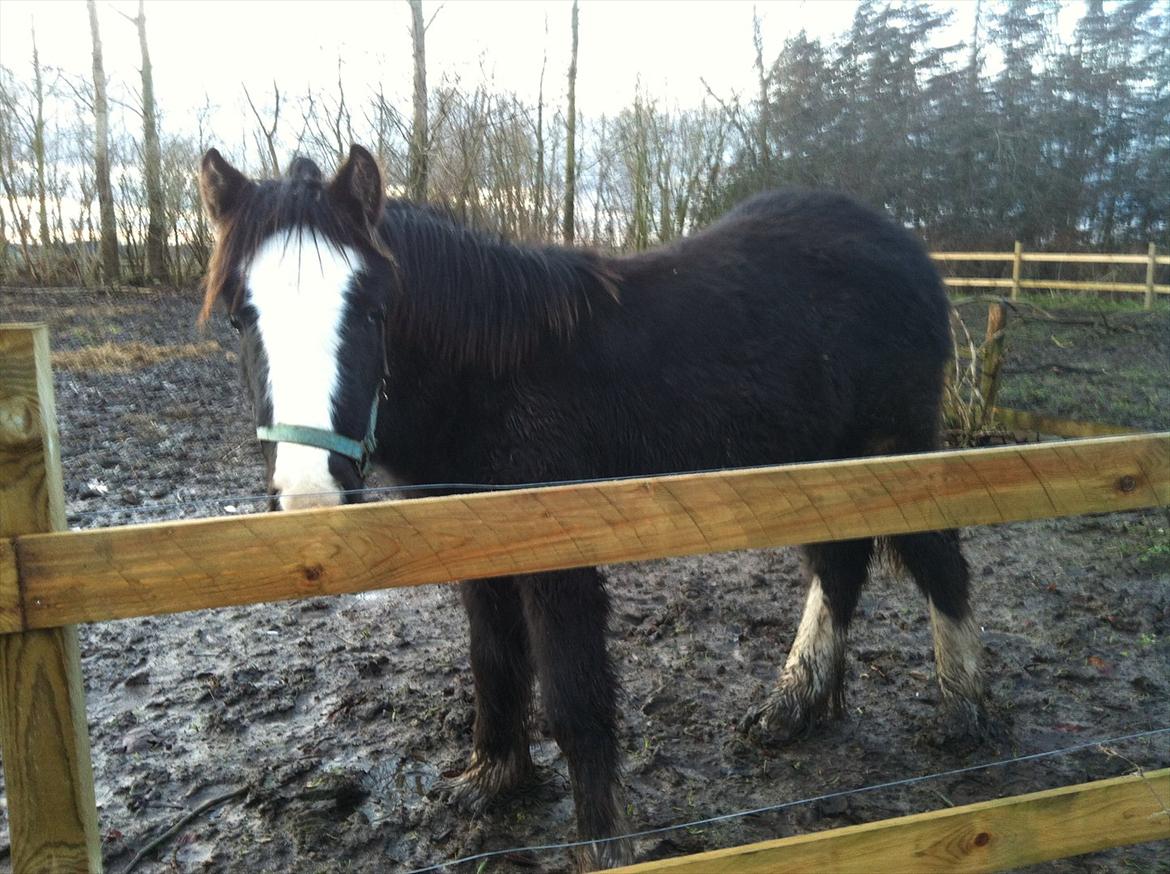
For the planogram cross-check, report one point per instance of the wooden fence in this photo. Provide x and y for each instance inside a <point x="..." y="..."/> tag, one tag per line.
<point x="51" y="579"/>
<point x="1151" y="261"/>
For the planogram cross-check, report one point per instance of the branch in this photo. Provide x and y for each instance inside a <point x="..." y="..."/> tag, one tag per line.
<point x="178" y="826"/>
<point x="731" y="113"/>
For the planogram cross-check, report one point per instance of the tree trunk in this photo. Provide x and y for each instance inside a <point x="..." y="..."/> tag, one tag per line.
<point x="3" y="247"/>
<point x="111" y="271"/>
<point x="156" y="243"/>
<point x="419" y="146"/>
<point x="571" y="140"/>
<point x="764" y="118"/>
<point x="38" y="146"/>
<point x="539" y="196"/>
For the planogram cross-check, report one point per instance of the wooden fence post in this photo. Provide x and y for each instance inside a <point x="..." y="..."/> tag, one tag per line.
<point x="1150" y="268"/>
<point x="992" y="359"/>
<point x="52" y="814"/>
<point x="1016" y="259"/>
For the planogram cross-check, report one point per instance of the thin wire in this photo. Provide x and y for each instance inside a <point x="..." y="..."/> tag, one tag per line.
<point x="455" y="487"/>
<point x="909" y="781"/>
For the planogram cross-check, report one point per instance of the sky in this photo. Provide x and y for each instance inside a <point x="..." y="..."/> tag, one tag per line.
<point x="212" y="47"/>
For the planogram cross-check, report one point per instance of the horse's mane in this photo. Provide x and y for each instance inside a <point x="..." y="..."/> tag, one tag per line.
<point x="474" y="299"/>
<point x="471" y="298"/>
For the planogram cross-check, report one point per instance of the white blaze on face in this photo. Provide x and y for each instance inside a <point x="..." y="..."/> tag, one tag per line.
<point x="298" y="285"/>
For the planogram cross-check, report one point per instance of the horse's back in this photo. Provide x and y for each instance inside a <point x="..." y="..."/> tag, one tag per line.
<point x="800" y="254"/>
<point x="801" y="325"/>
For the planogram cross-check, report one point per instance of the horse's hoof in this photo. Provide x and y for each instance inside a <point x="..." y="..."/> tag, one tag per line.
<point x="486" y="780"/>
<point x="968" y="725"/>
<point x="605" y="854"/>
<point x="781" y="719"/>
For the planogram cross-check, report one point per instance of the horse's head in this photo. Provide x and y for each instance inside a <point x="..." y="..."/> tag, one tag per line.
<point x="300" y="271"/>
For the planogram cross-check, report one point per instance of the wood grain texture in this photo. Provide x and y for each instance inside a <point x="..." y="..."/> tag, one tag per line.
<point x="88" y="576"/>
<point x="43" y="733"/>
<point x="989" y="836"/>
<point x="992" y="357"/>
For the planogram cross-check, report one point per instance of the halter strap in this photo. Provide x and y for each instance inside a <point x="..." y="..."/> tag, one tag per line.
<point x="360" y="452"/>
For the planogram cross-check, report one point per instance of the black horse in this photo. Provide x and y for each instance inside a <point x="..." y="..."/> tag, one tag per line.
<point x="801" y="326"/>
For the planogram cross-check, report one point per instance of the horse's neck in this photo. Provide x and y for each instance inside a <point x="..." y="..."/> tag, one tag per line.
<point x="475" y="300"/>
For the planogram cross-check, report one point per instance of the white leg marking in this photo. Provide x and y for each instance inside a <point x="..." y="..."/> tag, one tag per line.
<point x="957" y="656"/>
<point x="814" y="663"/>
<point x="298" y="284"/>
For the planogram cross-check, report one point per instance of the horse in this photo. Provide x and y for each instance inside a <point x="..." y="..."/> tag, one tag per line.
<point x="801" y="326"/>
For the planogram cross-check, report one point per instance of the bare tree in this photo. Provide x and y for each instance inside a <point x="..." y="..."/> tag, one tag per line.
<point x="328" y="124"/>
<point x="538" y="197"/>
<point x="764" y="114"/>
<point x="14" y="181"/>
<point x="156" y="244"/>
<point x="111" y="270"/>
<point x="390" y="128"/>
<point x="268" y="160"/>
<point x="419" y="145"/>
<point x="38" y="141"/>
<point x="571" y="144"/>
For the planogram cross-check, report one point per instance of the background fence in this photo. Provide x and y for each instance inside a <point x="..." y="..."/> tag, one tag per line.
<point x="49" y="581"/>
<point x="1151" y="261"/>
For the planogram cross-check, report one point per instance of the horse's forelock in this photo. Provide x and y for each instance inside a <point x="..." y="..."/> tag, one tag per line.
<point x="275" y="206"/>
<point x="302" y="169"/>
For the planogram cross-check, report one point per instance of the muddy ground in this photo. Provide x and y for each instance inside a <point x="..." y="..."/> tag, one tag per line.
<point x="338" y="716"/>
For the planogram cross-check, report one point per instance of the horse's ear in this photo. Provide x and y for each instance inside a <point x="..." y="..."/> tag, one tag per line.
<point x="221" y="185"/>
<point x="358" y="186"/>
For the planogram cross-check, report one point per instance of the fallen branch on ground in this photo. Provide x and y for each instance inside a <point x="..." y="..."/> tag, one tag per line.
<point x="155" y="843"/>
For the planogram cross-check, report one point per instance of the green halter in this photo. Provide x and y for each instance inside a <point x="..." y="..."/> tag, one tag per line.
<point x="361" y="452"/>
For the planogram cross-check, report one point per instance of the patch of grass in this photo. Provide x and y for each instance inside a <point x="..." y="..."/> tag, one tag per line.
<point x="1098" y="302"/>
<point x="1100" y="361"/>
<point x="124" y="357"/>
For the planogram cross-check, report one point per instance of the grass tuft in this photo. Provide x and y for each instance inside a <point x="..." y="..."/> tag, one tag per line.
<point x="124" y="357"/>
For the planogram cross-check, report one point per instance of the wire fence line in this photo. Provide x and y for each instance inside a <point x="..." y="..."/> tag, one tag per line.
<point x="223" y="501"/>
<point x="230" y="502"/>
<point x="1102" y="744"/>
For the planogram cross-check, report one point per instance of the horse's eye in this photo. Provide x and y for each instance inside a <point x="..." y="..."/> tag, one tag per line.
<point x="234" y="321"/>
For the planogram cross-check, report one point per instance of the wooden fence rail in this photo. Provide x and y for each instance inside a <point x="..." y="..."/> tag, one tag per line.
<point x="988" y="836"/>
<point x="50" y="581"/>
<point x="55" y="579"/>
<point x="1152" y="260"/>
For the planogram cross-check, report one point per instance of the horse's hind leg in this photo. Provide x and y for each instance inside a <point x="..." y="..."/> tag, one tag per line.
<point x="813" y="678"/>
<point x="502" y="671"/>
<point x="567" y="613"/>
<point x="936" y="563"/>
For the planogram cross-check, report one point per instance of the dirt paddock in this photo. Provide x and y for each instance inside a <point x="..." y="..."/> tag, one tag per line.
<point x="339" y="717"/>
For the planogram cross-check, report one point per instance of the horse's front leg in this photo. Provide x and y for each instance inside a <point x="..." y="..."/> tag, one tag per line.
<point x="502" y="671"/>
<point x="566" y="614"/>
